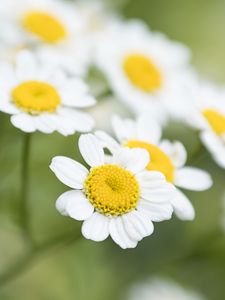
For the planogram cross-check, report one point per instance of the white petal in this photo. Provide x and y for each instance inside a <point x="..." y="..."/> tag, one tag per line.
<point x="75" y="205"/>
<point x="8" y="107"/>
<point x="138" y="225"/>
<point x="78" y="120"/>
<point x="192" y="179"/>
<point x="175" y="151"/>
<point x="134" y="160"/>
<point x="75" y="94"/>
<point x="69" y="171"/>
<point x="157" y="212"/>
<point x="119" y="234"/>
<point x="159" y="191"/>
<point x="91" y="150"/>
<point x="150" y="179"/>
<point x="107" y="141"/>
<point x="148" y="130"/>
<point x="124" y="129"/>
<point x="24" y="122"/>
<point x="182" y="206"/>
<point x="96" y="228"/>
<point x="26" y="66"/>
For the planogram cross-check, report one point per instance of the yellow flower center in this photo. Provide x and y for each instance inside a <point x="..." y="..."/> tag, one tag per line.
<point x="45" y="26"/>
<point x="36" y="97"/>
<point x="112" y="190"/>
<point x="215" y="120"/>
<point x="159" y="161"/>
<point x="142" y="72"/>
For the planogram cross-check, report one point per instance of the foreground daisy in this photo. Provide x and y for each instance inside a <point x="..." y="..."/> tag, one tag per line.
<point x="209" y="118"/>
<point x="145" y="70"/>
<point x="43" y="98"/>
<point x="50" y="22"/>
<point x="161" y="289"/>
<point x="116" y="199"/>
<point x="164" y="156"/>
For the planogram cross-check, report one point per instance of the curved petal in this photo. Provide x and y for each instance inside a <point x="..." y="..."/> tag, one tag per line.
<point x="157" y="212"/>
<point x="24" y="122"/>
<point x="138" y="225"/>
<point x="91" y="150"/>
<point x="160" y="193"/>
<point x="75" y="94"/>
<point x="119" y="234"/>
<point x="182" y="206"/>
<point x="69" y="171"/>
<point x="124" y="129"/>
<point x="75" y="205"/>
<point x="7" y="107"/>
<point x="96" y="228"/>
<point x="78" y="120"/>
<point x="175" y="151"/>
<point x="107" y="141"/>
<point x="192" y="179"/>
<point x="148" y="130"/>
<point x="150" y="179"/>
<point x="134" y="160"/>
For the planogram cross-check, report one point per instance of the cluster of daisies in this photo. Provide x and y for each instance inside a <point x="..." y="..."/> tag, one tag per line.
<point x="132" y="178"/>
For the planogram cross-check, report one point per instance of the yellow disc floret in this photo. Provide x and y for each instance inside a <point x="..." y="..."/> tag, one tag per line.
<point x="142" y="72"/>
<point x="36" y="97"/>
<point x="44" y="26"/>
<point x="216" y="120"/>
<point x="159" y="161"/>
<point x="112" y="190"/>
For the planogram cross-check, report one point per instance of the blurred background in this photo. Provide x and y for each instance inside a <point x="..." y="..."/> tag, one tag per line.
<point x="190" y="253"/>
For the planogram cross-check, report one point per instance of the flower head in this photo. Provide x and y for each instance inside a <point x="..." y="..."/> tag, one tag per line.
<point x="164" y="156"/>
<point x="119" y="198"/>
<point x="43" y="98"/>
<point x="145" y="70"/>
<point x="209" y="117"/>
<point x="50" y="22"/>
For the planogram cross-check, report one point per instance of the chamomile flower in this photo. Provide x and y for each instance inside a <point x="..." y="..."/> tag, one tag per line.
<point x="43" y="98"/>
<point x="209" y="118"/>
<point x="164" y="156"/>
<point x="50" y="22"/>
<point x="161" y="289"/>
<point x="116" y="199"/>
<point x="145" y="70"/>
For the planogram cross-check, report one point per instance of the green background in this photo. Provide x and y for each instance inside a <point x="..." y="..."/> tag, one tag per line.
<point x="192" y="253"/>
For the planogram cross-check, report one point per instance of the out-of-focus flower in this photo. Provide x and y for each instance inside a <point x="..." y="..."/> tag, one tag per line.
<point x="146" y="70"/>
<point x="52" y="22"/>
<point x="164" y="156"/>
<point x="161" y="289"/>
<point x="209" y="117"/>
<point x="42" y="98"/>
<point x="113" y="199"/>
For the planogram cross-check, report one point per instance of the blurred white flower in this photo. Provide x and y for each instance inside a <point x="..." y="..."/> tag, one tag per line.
<point x="146" y="70"/>
<point x="209" y="117"/>
<point x="161" y="289"/>
<point x="43" y="98"/>
<point x="27" y="22"/>
<point x="113" y="199"/>
<point x="164" y="156"/>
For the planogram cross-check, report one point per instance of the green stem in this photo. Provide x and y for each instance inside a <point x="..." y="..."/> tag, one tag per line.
<point x="25" y="184"/>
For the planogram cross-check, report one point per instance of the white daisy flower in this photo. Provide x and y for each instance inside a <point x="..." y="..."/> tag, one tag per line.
<point x="164" y="156"/>
<point x="209" y="118"/>
<point x="116" y="199"/>
<point x="43" y="98"/>
<point x="161" y="289"/>
<point x="145" y="70"/>
<point x="38" y="21"/>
